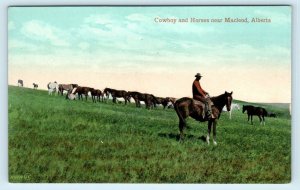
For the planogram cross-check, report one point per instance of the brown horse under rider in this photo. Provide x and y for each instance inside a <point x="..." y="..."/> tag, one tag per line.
<point x="202" y="95"/>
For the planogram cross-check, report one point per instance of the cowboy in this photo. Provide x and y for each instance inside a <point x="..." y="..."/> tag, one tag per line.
<point x="202" y="95"/>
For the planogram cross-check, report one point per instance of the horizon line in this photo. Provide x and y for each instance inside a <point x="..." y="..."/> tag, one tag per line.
<point x="42" y="89"/>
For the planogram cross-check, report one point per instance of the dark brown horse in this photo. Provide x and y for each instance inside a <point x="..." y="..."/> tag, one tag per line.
<point x="35" y="86"/>
<point x="147" y="98"/>
<point x="172" y="100"/>
<point x="259" y="111"/>
<point x="116" y="94"/>
<point x="20" y="83"/>
<point x="186" y="107"/>
<point x="163" y="101"/>
<point x="83" y="90"/>
<point x="97" y="95"/>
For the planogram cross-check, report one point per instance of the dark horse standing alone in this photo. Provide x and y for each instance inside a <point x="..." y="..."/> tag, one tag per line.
<point x="259" y="111"/>
<point x="186" y="107"/>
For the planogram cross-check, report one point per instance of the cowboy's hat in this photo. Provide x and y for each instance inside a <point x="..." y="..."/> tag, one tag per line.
<point x="198" y="75"/>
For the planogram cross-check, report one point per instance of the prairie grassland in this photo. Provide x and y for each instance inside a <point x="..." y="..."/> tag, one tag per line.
<point x="52" y="139"/>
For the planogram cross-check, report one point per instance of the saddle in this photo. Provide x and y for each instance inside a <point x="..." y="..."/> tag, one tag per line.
<point x="206" y="113"/>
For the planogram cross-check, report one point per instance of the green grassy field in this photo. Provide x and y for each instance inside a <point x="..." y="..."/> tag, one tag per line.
<point x="52" y="139"/>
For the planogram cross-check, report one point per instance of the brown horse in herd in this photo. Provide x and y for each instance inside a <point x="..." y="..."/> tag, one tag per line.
<point x="67" y="87"/>
<point x="116" y="94"/>
<point x="97" y="95"/>
<point x="83" y="90"/>
<point x="163" y="101"/>
<point x="147" y="98"/>
<point x="186" y="107"/>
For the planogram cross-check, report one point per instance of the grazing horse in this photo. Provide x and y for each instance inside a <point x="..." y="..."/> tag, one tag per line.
<point x="35" y="86"/>
<point x="52" y="87"/>
<point x="259" y="111"/>
<point x="172" y="100"/>
<point x="83" y="90"/>
<point x="97" y="94"/>
<point x="186" y="107"/>
<point x="67" y="87"/>
<point x="163" y="101"/>
<point x="234" y="106"/>
<point x="70" y="95"/>
<point x="147" y="98"/>
<point x="20" y="83"/>
<point x="117" y="94"/>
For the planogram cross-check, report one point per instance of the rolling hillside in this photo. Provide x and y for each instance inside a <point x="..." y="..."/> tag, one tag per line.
<point x="52" y="139"/>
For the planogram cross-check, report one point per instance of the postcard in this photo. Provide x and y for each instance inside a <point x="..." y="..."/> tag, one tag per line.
<point x="149" y="94"/>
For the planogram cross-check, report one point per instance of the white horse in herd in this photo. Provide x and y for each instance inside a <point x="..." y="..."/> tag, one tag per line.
<point x="234" y="106"/>
<point x="52" y="87"/>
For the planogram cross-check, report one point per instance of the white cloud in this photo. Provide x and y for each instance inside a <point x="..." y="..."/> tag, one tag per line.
<point x="137" y="17"/>
<point x="84" y="45"/>
<point x="98" y="19"/>
<point x="41" y="31"/>
<point x="18" y="44"/>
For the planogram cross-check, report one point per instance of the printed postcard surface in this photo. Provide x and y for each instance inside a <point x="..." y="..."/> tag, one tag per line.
<point x="149" y="94"/>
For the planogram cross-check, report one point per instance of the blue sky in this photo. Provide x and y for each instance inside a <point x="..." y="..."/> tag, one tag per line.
<point x="126" y="41"/>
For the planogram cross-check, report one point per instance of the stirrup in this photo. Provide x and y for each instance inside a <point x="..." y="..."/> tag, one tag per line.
<point x="209" y="116"/>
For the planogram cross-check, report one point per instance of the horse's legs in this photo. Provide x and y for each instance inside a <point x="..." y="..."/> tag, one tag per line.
<point x="181" y="128"/>
<point x="214" y="131"/>
<point x="264" y="120"/>
<point x="251" y="119"/>
<point x="248" y="117"/>
<point x="260" y="120"/>
<point x="208" y="130"/>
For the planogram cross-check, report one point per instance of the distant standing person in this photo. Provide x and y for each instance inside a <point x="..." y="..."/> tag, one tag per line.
<point x="202" y="95"/>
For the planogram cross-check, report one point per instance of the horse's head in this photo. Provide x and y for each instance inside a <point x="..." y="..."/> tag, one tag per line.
<point x="228" y="96"/>
<point x="106" y="92"/>
<point x="244" y="108"/>
<point x="128" y="96"/>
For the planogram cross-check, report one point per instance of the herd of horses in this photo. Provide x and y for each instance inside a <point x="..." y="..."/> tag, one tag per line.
<point x="97" y="95"/>
<point x="185" y="107"/>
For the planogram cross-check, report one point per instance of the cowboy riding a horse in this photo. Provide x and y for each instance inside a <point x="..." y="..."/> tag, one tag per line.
<point x="201" y="109"/>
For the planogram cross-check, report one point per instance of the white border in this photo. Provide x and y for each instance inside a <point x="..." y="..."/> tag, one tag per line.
<point x="5" y="185"/>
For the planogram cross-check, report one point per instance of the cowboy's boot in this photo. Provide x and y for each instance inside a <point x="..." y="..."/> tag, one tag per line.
<point x="207" y="110"/>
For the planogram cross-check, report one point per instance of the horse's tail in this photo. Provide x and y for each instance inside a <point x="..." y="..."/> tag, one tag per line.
<point x="48" y="85"/>
<point x="178" y="111"/>
<point x="265" y="113"/>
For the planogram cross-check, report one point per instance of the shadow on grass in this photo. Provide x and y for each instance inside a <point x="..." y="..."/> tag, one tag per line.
<point x="177" y="136"/>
